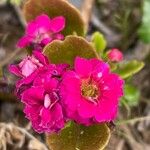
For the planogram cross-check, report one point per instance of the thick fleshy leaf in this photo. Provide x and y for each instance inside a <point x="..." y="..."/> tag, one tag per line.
<point x="78" y="137"/>
<point x="131" y="95"/>
<point x="66" y="51"/>
<point x="127" y="69"/>
<point x="53" y="8"/>
<point x="99" y="42"/>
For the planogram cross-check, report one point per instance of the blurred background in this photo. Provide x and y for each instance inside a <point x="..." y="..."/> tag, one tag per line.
<point x="126" y="25"/>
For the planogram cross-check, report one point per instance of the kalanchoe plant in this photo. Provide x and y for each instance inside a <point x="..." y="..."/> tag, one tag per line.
<point x="71" y="88"/>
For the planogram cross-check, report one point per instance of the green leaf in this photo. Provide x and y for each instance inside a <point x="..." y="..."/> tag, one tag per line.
<point x="78" y="137"/>
<point x="99" y="42"/>
<point x="53" y="8"/>
<point x="66" y="51"/>
<point x="131" y="95"/>
<point x="127" y="69"/>
<point x="144" y="30"/>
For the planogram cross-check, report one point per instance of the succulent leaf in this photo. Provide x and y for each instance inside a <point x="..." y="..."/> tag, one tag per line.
<point x="78" y="137"/>
<point x="66" y="51"/>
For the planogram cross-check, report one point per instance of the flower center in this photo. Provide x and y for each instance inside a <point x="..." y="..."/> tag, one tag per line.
<point x="89" y="91"/>
<point x="40" y="37"/>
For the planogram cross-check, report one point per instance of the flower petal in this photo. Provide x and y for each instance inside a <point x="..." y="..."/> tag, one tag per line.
<point x="28" y="68"/>
<point x="107" y="110"/>
<point x="71" y="82"/>
<point x="86" y="109"/>
<point x="41" y="57"/>
<point x="83" y="67"/>
<point x="32" y="29"/>
<point x="33" y="96"/>
<point x="15" y="70"/>
<point x="46" y="116"/>
<point x="24" y="41"/>
<point x="57" y="117"/>
<point x="57" y="24"/>
<point x="32" y="113"/>
<point x="43" y="23"/>
<point x="45" y="41"/>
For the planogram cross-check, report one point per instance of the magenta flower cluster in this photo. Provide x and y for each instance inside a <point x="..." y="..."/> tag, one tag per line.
<point x="38" y="89"/>
<point x="87" y="93"/>
<point x="54" y="94"/>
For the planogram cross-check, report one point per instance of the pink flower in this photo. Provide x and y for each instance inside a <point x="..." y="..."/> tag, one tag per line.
<point x="42" y="101"/>
<point x="91" y="93"/>
<point x="38" y="90"/>
<point x="43" y="109"/>
<point x="115" y="55"/>
<point x="28" y="69"/>
<point x="46" y="75"/>
<point x="29" y="64"/>
<point x="33" y="68"/>
<point x="42" y="31"/>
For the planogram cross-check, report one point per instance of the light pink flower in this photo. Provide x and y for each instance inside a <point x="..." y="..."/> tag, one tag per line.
<point x="90" y="93"/>
<point x="42" y="31"/>
<point x="115" y="55"/>
<point x="28" y="66"/>
<point x="28" y="69"/>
